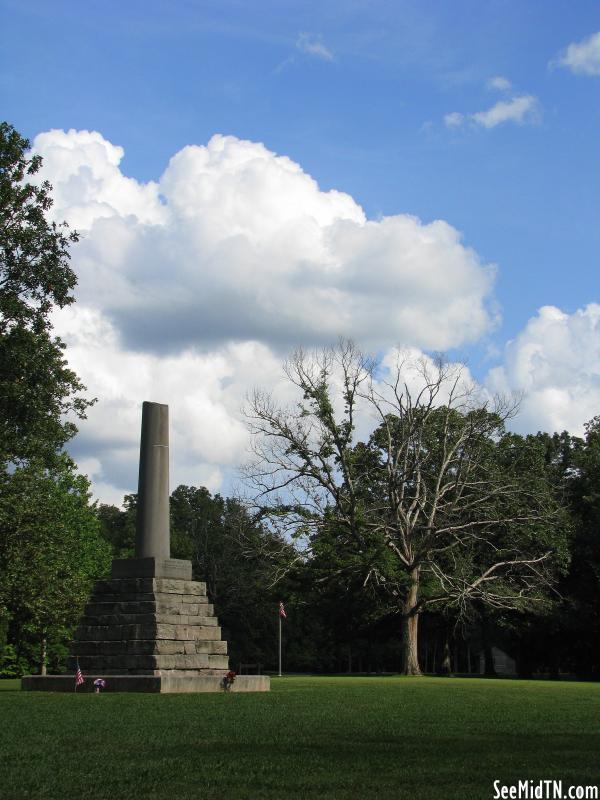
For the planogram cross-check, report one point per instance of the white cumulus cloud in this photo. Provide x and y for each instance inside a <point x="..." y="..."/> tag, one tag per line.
<point x="555" y="363"/>
<point x="193" y="286"/>
<point x="236" y="243"/>
<point x="583" y="57"/>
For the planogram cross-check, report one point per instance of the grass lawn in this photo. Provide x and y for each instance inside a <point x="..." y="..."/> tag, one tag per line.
<point x="392" y="737"/>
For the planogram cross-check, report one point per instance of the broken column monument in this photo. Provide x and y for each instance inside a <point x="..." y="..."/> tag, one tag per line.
<point x="150" y="627"/>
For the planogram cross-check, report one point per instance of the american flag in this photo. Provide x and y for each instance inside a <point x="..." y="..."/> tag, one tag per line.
<point x="79" y="679"/>
<point x="282" y="611"/>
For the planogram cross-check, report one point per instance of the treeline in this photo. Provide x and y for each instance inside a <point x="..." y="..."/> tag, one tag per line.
<point x="334" y="625"/>
<point x="55" y="543"/>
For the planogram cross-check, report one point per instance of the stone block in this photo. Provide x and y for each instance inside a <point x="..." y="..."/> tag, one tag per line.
<point x="126" y="597"/>
<point x="192" y="661"/>
<point x="88" y="648"/>
<point x="172" y="619"/>
<point x="171" y="608"/>
<point x="194" y="609"/>
<point x="165" y="661"/>
<point x="168" y="632"/>
<point x="202" y="620"/>
<point x="171" y="586"/>
<point x="95" y="633"/>
<point x="113" y="620"/>
<point x="191" y="609"/>
<point x="194" y="598"/>
<point x="202" y="632"/>
<point x="155" y="647"/>
<point x="216" y="647"/>
<point x="99" y="608"/>
<point x="143" y="632"/>
<point x="104" y="648"/>
<point x="218" y="662"/>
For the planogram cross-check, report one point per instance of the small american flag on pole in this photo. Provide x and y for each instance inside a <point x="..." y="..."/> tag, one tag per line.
<point x="79" y="679"/>
<point x="282" y="611"/>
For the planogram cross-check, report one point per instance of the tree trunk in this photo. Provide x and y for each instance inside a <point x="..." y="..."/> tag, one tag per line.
<point x="489" y="668"/>
<point x="411" y="628"/>
<point x="554" y="666"/>
<point x="456" y="657"/>
<point x="446" y="668"/>
<point x="43" y="654"/>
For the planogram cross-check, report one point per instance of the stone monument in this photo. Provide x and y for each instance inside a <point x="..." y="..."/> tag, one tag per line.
<point x="150" y="627"/>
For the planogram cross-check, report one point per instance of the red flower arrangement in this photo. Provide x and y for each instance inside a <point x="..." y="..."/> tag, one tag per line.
<point x="228" y="680"/>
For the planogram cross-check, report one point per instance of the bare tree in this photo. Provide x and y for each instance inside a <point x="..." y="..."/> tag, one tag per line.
<point x="428" y="508"/>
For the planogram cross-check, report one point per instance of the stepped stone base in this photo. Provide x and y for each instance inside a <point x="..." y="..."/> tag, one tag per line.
<point x="146" y="683"/>
<point x="149" y="626"/>
<point x="144" y="632"/>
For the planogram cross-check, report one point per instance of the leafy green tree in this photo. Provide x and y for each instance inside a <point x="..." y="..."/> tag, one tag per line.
<point x="428" y="510"/>
<point x="235" y="556"/>
<point x="538" y="463"/>
<point x="50" y="552"/>
<point x="576" y="628"/>
<point x="118" y="526"/>
<point x="37" y="389"/>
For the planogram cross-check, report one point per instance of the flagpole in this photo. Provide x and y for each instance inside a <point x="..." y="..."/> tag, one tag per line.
<point x="279" y="644"/>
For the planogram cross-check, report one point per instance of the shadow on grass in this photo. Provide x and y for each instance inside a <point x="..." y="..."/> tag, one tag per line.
<point x="323" y="738"/>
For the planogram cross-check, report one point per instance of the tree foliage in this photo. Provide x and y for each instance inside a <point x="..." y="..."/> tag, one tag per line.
<point x="50" y="551"/>
<point x="37" y="389"/>
<point x="431" y="506"/>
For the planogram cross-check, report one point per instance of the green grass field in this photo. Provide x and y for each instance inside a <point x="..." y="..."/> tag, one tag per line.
<point x="316" y="737"/>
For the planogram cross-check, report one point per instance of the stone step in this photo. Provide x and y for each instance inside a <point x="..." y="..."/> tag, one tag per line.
<point x="212" y="646"/>
<point x="149" y="647"/>
<point x="172" y="586"/>
<point x="204" y="632"/>
<point x="166" y="599"/>
<point x="132" y="662"/>
<point x="124" y="597"/>
<point x="157" y="630"/>
<point x="142" y="619"/>
<point x="137" y="586"/>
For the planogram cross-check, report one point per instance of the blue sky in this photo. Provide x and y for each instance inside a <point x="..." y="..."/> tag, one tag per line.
<point x="358" y="94"/>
